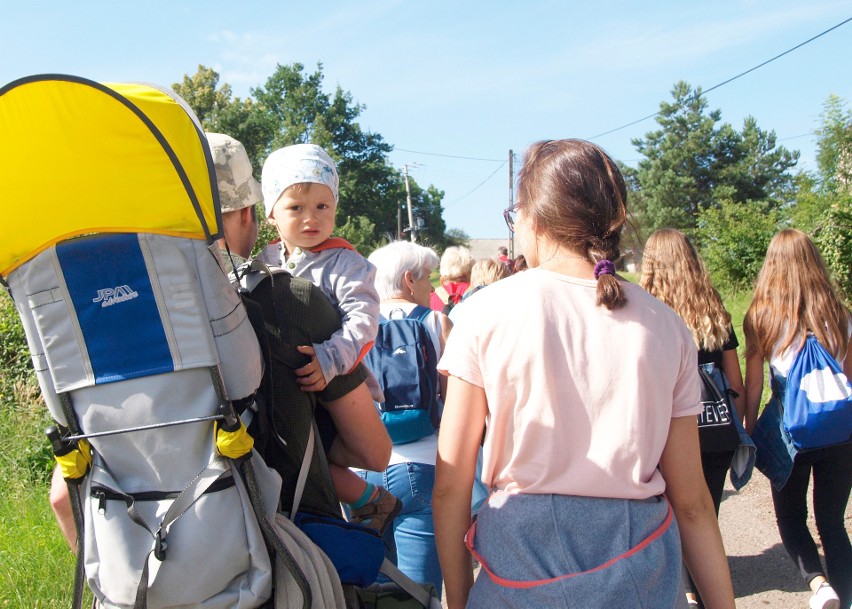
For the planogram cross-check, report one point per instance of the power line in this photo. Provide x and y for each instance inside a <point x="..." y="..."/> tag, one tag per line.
<point x="733" y="78"/>
<point x="795" y="137"/>
<point x="450" y="156"/>
<point x="464" y="196"/>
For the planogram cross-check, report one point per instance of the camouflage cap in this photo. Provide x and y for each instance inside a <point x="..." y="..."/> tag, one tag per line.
<point x="237" y="187"/>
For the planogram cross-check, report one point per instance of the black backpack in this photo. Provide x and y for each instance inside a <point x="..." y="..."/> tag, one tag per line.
<point x="278" y="303"/>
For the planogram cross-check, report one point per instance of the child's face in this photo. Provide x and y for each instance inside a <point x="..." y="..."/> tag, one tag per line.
<point x="303" y="216"/>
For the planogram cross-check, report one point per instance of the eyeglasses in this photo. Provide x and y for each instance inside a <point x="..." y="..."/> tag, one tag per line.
<point x="509" y="216"/>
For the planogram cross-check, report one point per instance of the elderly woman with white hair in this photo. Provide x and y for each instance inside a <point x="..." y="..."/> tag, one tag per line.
<point x="402" y="282"/>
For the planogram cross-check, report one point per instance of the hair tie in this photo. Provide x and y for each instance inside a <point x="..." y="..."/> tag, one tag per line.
<point x="604" y="267"/>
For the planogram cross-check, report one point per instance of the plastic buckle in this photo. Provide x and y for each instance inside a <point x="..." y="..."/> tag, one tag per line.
<point x="160" y="546"/>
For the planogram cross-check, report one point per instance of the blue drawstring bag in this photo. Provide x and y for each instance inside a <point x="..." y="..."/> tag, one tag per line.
<point x="817" y="399"/>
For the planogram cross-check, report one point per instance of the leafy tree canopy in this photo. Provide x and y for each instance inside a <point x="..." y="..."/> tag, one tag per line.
<point x="291" y="107"/>
<point x="692" y="164"/>
<point x="834" y="148"/>
<point x="824" y="205"/>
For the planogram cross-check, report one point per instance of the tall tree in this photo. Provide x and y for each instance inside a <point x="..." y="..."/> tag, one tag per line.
<point x="676" y="174"/>
<point x="752" y="167"/>
<point x="692" y="164"/>
<point x="834" y="147"/>
<point x="824" y="207"/>
<point x="202" y="92"/>
<point x="291" y="107"/>
<point x="218" y="112"/>
<point x="369" y="186"/>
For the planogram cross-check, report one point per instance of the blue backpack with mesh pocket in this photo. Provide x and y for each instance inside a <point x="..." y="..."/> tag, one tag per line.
<point x="817" y="399"/>
<point x="404" y="361"/>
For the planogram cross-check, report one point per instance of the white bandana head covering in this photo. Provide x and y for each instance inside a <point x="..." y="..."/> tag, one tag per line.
<point x="296" y="164"/>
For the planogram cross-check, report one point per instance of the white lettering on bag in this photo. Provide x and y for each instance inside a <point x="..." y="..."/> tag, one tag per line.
<point x="110" y="296"/>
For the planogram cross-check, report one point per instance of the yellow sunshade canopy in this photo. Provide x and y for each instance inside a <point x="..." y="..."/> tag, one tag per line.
<point x="81" y="157"/>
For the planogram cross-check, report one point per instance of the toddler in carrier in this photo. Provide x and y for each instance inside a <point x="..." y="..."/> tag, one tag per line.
<point x="300" y="194"/>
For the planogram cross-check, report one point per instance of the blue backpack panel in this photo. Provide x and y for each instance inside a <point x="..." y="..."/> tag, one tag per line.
<point x="404" y="361"/>
<point x="817" y="399"/>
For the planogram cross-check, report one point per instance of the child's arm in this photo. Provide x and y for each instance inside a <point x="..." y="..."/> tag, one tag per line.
<point x="358" y="304"/>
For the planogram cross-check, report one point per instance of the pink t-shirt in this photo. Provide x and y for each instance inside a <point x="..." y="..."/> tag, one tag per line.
<point x="580" y="398"/>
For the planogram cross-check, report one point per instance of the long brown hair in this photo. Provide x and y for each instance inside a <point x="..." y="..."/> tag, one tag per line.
<point x="673" y="272"/>
<point x="575" y="194"/>
<point x="794" y="295"/>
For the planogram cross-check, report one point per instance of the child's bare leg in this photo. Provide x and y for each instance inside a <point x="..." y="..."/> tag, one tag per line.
<point x="60" y="502"/>
<point x="349" y="485"/>
<point x="369" y="505"/>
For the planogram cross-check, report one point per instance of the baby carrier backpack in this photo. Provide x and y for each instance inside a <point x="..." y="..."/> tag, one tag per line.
<point x="284" y="424"/>
<point x="404" y="361"/>
<point x="817" y="399"/>
<point x="142" y="349"/>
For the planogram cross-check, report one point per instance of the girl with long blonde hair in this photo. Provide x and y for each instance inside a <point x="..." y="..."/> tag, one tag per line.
<point x="673" y="271"/>
<point x="794" y="297"/>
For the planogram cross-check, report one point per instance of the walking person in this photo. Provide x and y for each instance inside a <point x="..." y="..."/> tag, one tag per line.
<point x="673" y="271"/>
<point x="794" y="297"/>
<point x="588" y="403"/>
<point x="402" y="281"/>
<point x="455" y="265"/>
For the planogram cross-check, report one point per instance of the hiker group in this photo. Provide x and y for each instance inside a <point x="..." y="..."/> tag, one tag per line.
<point x="567" y="429"/>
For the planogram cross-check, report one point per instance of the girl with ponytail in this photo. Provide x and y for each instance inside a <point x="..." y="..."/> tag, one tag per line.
<point x="586" y="390"/>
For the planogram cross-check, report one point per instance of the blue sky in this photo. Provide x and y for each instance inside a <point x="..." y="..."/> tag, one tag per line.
<point x="468" y="79"/>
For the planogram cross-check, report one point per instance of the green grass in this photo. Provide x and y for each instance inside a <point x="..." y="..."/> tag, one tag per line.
<point x="37" y="565"/>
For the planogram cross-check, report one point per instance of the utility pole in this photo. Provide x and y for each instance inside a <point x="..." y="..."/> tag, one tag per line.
<point x="511" y="201"/>
<point x="411" y="228"/>
<point x="399" y="221"/>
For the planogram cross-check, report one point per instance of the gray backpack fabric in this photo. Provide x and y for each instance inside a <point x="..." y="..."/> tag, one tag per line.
<point x="142" y="349"/>
<point x="131" y="331"/>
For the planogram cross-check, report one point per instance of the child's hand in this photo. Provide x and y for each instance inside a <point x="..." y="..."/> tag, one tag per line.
<point x="310" y="375"/>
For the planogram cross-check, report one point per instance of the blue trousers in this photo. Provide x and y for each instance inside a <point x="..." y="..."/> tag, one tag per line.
<point x="410" y="543"/>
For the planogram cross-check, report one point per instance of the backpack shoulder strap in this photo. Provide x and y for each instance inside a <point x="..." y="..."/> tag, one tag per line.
<point x="289" y="298"/>
<point x="420" y="313"/>
<point x="291" y="305"/>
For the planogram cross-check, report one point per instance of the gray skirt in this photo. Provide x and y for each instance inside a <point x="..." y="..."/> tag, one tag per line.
<point x="567" y="551"/>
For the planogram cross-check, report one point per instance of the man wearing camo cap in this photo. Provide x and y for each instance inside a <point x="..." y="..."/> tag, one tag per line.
<point x="239" y="192"/>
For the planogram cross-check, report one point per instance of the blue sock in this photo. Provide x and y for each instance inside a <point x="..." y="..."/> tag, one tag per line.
<point x="365" y="497"/>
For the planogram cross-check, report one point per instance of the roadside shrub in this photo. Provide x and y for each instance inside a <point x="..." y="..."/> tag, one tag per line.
<point x="832" y="238"/>
<point x="733" y="238"/>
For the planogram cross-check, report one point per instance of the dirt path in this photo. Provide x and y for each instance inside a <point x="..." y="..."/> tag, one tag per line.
<point x="764" y="576"/>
